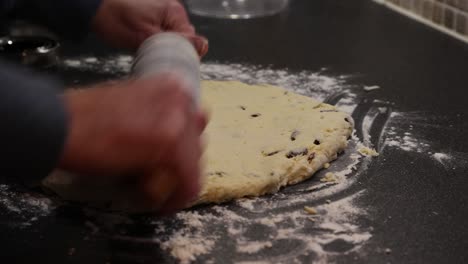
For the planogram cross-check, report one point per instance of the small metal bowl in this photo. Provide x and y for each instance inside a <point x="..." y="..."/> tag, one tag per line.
<point x="30" y="50"/>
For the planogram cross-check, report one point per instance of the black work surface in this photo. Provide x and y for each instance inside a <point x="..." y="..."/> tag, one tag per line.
<point x="417" y="207"/>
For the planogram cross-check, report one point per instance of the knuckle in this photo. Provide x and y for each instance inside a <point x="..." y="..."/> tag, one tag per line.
<point x="171" y="130"/>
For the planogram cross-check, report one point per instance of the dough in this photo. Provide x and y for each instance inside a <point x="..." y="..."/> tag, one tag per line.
<point x="260" y="138"/>
<point x="263" y="137"/>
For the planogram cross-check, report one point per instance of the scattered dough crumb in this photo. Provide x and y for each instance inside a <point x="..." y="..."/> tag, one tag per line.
<point x="371" y="88"/>
<point x="253" y="247"/>
<point x="328" y="201"/>
<point x="368" y="152"/>
<point x="388" y="251"/>
<point x="326" y="165"/>
<point x="383" y="110"/>
<point x="310" y="210"/>
<point x="91" y="60"/>
<point x="329" y="177"/>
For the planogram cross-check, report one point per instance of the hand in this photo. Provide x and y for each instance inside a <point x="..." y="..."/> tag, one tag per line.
<point x="127" y="23"/>
<point x="136" y="128"/>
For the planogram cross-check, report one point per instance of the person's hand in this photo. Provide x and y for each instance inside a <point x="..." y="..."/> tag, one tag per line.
<point x="127" y="23"/>
<point x="138" y="127"/>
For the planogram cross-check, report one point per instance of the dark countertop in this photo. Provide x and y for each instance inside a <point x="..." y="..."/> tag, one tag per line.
<point x="418" y="208"/>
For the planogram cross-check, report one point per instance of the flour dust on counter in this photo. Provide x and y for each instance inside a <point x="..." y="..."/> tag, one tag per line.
<point x="117" y="65"/>
<point x="307" y="83"/>
<point x="407" y="131"/>
<point x="25" y="208"/>
<point x="400" y="133"/>
<point x="270" y="229"/>
<point x="274" y="228"/>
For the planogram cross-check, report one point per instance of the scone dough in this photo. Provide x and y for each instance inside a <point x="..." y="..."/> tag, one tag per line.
<point x="260" y="138"/>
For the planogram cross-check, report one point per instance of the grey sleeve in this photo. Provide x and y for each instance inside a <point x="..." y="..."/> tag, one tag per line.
<point x="33" y="124"/>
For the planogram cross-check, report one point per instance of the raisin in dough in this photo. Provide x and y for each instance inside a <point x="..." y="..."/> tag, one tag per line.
<point x="260" y="138"/>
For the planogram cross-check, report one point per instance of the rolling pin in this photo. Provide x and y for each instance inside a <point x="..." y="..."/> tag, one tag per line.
<point x="168" y="53"/>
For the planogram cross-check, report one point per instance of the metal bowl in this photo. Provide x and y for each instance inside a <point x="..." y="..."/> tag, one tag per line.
<point x="30" y="50"/>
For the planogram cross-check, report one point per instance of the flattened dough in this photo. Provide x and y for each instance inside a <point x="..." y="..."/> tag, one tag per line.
<point x="263" y="137"/>
<point x="260" y="138"/>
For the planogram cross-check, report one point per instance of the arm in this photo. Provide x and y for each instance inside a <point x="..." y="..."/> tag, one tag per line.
<point x="34" y="122"/>
<point x="68" y="18"/>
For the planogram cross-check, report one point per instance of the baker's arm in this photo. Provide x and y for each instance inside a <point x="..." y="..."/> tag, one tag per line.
<point x="68" y="18"/>
<point x="33" y="124"/>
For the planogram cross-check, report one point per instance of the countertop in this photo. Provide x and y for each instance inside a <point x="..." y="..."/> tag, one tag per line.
<point x="416" y="204"/>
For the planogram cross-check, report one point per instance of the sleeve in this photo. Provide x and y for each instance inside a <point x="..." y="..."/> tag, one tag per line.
<point x="70" y="19"/>
<point x="33" y="124"/>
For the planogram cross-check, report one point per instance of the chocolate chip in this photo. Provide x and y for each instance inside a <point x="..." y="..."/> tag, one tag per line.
<point x="271" y="153"/>
<point x="286" y="93"/>
<point x="294" y="135"/>
<point x="255" y="115"/>
<point x="316" y="142"/>
<point x="311" y="157"/>
<point x="218" y="173"/>
<point x="297" y="152"/>
<point x="242" y="107"/>
<point x="346" y="119"/>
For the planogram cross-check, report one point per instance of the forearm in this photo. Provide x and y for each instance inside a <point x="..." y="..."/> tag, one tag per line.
<point x="34" y="124"/>
<point x="69" y="18"/>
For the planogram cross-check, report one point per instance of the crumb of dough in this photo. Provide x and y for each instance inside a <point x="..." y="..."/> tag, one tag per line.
<point x="388" y="251"/>
<point x="328" y="201"/>
<point x="368" y="152"/>
<point x="329" y="177"/>
<point x="326" y="165"/>
<point x="310" y="210"/>
<point x="371" y="88"/>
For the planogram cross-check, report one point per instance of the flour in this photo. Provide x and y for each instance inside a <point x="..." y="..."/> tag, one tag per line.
<point x="283" y="218"/>
<point x="367" y="122"/>
<point x="302" y="82"/>
<point x="23" y="207"/>
<point x="282" y="215"/>
<point x="450" y="161"/>
<point x="407" y="143"/>
<point x="116" y="65"/>
<point x="407" y="132"/>
<point x="334" y="223"/>
<point x="441" y="157"/>
<point x="371" y="88"/>
<point x="252" y="247"/>
<point x="347" y="103"/>
<point x="187" y="247"/>
<point x="400" y="134"/>
<point x="249" y="230"/>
